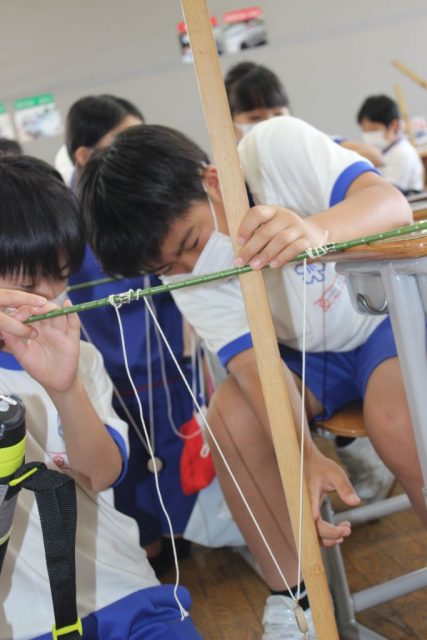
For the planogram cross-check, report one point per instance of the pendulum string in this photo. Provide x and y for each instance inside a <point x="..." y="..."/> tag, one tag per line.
<point x="302" y="426"/>
<point x="155" y="459"/>
<point x="183" y="611"/>
<point x="118" y="396"/>
<point x="313" y="253"/>
<point x="226" y="464"/>
<point x="152" y="309"/>
<point x="298" y="612"/>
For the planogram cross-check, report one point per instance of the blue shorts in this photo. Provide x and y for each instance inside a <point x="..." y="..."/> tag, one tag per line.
<point x="337" y="378"/>
<point x="149" y="614"/>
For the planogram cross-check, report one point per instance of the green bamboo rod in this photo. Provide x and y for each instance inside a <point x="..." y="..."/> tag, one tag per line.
<point x="92" y="283"/>
<point x="130" y="296"/>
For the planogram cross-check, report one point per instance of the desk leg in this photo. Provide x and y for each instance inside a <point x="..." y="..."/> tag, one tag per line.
<point x="408" y="323"/>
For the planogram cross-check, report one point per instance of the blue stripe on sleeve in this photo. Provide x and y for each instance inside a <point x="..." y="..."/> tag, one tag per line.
<point x="233" y="348"/>
<point x="120" y="442"/>
<point x="345" y="179"/>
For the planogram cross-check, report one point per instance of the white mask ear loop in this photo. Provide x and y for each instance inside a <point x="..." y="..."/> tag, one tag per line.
<point x="211" y="207"/>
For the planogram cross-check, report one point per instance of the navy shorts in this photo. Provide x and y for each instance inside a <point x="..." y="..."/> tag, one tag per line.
<point x="337" y="378"/>
<point x="149" y="614"/>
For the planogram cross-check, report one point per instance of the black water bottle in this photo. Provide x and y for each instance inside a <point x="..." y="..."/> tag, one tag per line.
<point x="12" y="452"/>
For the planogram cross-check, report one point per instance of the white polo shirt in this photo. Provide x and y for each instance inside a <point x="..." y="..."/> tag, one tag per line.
<point x="287" y="162"/>
<point x="110" y="563"/>
<point x="403" y="167"/>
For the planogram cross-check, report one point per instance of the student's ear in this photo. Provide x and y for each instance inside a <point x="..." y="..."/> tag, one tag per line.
<point x="211" y="183"/>
<point x="395" y="125"/>
<point x="82" y="155"/>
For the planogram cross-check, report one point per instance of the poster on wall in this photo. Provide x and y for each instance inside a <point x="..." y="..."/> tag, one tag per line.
<point x="243" y="29"/>
<point x="6" y="126"/>
<point x="239" y="29"/>
<point x="184" y="42"/>
<point x="37" y="117"/>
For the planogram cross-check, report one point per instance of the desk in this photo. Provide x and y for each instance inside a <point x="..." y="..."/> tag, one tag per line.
<point x="387" y="277"/>
<point x="392" y="277"/>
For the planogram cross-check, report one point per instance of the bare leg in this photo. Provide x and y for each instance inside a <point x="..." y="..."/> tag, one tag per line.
<point x="389" y="426"/>
<point x="237" y="430"/>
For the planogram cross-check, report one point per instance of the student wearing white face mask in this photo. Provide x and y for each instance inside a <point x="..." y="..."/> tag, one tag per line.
<point x="71" y="427"/>
<point x="255" y="93"/>
<point x="379" y="120"/>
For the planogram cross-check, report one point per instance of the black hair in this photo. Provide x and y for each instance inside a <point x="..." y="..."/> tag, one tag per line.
<point x="9" y="148"/>
<point x="40" y="222"/>
<point x="379" y="108"/>
<point x="91" y="117"/>
<point x="133" y="191"/>
<point x="251" y="86"/>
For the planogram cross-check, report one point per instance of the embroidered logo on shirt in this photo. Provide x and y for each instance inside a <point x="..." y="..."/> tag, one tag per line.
<point x="330" y="294"/>
<point x="59" y="459"/>
<point x="315" y="272"/>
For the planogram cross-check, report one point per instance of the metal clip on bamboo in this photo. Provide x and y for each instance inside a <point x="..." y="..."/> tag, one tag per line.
<point x="270" y="366"/>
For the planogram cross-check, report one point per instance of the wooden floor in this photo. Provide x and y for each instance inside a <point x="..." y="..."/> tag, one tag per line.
<point x="228" y="596"/>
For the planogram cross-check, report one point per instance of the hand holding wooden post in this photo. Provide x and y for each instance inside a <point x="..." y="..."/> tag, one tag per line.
<point x="270" y="366"/>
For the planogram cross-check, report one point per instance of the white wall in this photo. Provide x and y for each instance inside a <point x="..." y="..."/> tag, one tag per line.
<point x="330" y="55"/>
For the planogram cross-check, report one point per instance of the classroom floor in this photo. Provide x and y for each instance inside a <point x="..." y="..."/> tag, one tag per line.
<point x="228" y="596"/>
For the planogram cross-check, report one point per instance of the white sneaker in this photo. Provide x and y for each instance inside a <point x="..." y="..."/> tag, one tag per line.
<point x="280" y="623"/>
<point x="368" y="473"/>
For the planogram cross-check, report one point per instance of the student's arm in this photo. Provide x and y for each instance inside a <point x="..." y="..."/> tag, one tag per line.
<point x="322" y="473"/>
<point x="51" y="359"/>
<point x="274" y="235"/>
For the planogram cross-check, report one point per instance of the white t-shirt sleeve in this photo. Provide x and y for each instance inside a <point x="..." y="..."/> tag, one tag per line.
<point x="216" y="310"/>
<point x="217" y="313"/>
<point x="99" y="388"/>
<point x="288" y="162"/>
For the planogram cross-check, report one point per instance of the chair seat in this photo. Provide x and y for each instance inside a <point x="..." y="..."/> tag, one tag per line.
<point x="347" y="422"/>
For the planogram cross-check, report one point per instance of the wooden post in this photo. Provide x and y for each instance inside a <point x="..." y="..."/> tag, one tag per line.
<point x="401" y="102"/>
<point x="270" y="366"/>
<point x="411" y="74"/>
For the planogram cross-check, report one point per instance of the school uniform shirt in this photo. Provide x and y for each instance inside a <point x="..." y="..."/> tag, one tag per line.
<point x="156" y="377"/>
<point x="402" y="166"/>
<point x="287" y="162"/>
<point x="109" y="561"/>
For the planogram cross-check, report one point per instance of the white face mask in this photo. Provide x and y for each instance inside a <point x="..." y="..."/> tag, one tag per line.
<point x="245" y="127"/>
<point x="60" y="298"/>
<point x="375" y="139"/>
<point x="217" y="254"/>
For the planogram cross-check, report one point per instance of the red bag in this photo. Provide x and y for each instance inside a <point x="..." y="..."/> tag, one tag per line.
<point x="196" y="467"/>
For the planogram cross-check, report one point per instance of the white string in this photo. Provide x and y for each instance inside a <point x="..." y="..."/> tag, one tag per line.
<point x="301" y="479"/>
<point x="152" y="310"/>
<point x="183" y="611"/>
<point x="226" y="464"/>
<point x="149" y="378"/>
<point x="322" y="249"/>
<point x="117" y="394"/>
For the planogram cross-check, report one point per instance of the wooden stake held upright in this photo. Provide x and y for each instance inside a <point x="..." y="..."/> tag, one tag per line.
<point x="411" y="74"/>
<point x="401" y="103"/>
<point x="270" y="366"/>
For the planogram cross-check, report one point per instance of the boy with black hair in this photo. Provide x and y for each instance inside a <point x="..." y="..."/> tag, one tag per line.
<point x="71" y="427"/>
<point x="92" y="122"/>
<point x="379" y="120"/>
<point x="153" y="202"/>
<point x="9" y="148"/>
